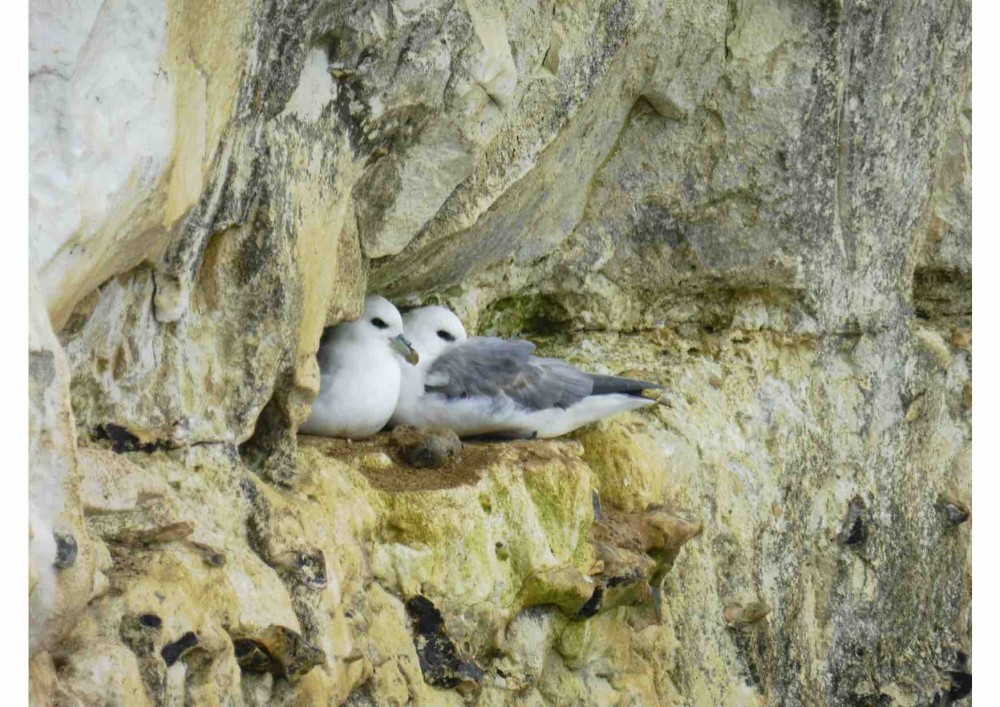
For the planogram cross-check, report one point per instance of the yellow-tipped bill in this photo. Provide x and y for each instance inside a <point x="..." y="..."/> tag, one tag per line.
<point x="405" y="348"/>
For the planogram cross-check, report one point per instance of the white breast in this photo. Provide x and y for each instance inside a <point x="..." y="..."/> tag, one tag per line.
<point x="357" y="396"/>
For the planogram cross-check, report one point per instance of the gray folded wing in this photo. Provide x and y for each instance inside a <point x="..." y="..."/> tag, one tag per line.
<point x="494" y="368"/>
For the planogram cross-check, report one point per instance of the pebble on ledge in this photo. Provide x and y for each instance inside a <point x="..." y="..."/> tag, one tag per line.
<point x="429" y="448"/>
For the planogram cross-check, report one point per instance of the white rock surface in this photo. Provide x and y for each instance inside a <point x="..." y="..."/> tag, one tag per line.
<point x="102" y="116"/>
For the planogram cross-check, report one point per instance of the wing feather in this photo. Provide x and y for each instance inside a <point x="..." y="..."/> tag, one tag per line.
<point x="609" y="385"/>
<point x="498" y="368"/>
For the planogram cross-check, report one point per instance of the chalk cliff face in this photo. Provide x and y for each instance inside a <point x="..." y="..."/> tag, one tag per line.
<point x="765" y="205"/>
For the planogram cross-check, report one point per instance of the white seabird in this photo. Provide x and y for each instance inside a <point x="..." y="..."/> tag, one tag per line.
<point x="486" y="386"/>
<point x="360" y="376"/>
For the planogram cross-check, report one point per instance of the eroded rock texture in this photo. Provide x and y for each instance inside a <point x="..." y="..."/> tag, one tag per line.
<point x="764" y="205"/>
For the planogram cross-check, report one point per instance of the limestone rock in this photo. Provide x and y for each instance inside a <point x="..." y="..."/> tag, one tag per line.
<point x="739" y="615"/>
<point x="763" y="206"/>
<point x="125" y="126"/>
<point x="565" y="587"/>
<point x="278" y="650"/>
<point x="61" y="562"/>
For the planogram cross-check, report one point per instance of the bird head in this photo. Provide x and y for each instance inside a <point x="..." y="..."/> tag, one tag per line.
<point x="432" y="330"/>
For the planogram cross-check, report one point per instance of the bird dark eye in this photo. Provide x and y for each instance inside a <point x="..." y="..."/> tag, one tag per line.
<point x="379" y="323"/>
<point x="445" y="335"/>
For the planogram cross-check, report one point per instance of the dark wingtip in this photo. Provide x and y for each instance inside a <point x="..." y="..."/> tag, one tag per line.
<point x="611" y="385"/>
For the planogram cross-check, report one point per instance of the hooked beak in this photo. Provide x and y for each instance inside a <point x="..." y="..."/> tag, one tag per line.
<point x="404" y="347"/>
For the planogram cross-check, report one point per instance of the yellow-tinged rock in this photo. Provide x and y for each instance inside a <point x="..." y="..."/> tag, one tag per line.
<point x="565" y="587"/>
